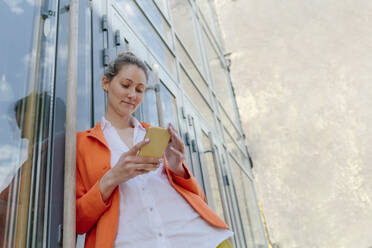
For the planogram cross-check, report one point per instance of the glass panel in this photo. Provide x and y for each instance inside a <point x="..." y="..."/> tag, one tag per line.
<point x="235" y="149"/>
<point x="148" y="106"/>
<point x="26" y="80"/>
<point x="229" y="126"/>
<point x="156" y="19"/>
<point x="197" y="98"/>
<point x="168" y="102"/>
<point x="220" y="83"/>
<point x="195" y="155"/>
<point x="234" y="209"/>
<point x="192" y="71"/>
<point x="238" y="181"/>
<point x="183" y="23"/>
<point x="254" y="215"/>
<point x="163" y="6"/>
<point x="205" y="8"/>
<point x="169" y="106"/>
<point x="85" y="74"/>
<point x="188" y="156"/>
<point x="212" y="167"/>
<point x="149" y="35"/>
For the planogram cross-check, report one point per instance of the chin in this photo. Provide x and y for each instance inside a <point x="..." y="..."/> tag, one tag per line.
<point x="127" y="112"/>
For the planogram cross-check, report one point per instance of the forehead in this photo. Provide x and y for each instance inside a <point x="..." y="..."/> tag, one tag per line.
<point x="132" y="72"/>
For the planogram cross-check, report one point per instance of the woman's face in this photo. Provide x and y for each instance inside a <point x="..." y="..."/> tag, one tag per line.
<point x="126" y="90"/>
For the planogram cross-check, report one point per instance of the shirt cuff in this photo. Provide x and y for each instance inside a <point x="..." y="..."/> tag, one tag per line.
<point x="180" y="178"/>
<point x="93" y="199"/>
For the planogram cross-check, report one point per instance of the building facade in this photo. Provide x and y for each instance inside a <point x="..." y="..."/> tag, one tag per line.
<point x="179" y="42"/>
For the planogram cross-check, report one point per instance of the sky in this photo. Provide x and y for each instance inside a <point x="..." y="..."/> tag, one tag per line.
<point x="302" y="72"/>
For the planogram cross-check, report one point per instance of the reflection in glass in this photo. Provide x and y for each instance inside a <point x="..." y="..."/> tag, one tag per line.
<point x="24" y="169"/>
<point x="84" y="76"/>
<point x="6" y="91"/>
<point x="26" y="71"/>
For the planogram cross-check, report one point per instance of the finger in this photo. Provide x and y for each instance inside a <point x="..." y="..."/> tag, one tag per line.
<point x="140" y="172"/>
<point x="170" y="132"/>
<point x="180" y="144"/>
<point x="139" y="167"/>
<point x="177" y="141"/>
<point x="174" y="130"/>
<point x="138" y="146"/>
<point x="173" y="133"/>
<point x="177" y="152"/>
<point x="145" y="160"/>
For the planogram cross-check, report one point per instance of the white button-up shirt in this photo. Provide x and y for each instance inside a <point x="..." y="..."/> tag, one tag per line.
<point x="152" y="213"/>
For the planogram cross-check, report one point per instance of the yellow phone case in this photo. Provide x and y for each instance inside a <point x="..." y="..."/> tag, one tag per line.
<point x="159" y="139"/>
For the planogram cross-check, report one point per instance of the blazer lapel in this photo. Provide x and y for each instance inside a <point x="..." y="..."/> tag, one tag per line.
<point x="97" y="133"/>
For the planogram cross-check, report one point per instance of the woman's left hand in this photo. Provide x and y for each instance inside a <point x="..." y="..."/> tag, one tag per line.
<point x="175" y="152"/>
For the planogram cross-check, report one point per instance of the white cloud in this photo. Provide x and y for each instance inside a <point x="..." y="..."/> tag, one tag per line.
<point x="29" y="58"/>
<point x="14" y="6"/>
<point x="34" y="2"/>
<point x="6" y="91"/>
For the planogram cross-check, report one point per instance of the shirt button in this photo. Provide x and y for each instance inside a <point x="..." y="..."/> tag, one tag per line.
<point x="160" y="234"/>
<point x="143" y="189"/>
<point x="150" y="209"/>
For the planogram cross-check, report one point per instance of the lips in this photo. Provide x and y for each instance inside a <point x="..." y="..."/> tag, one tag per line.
<point x="132" y="104"/>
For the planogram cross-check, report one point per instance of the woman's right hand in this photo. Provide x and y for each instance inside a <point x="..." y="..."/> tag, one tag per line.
<point x="129" y="165"/>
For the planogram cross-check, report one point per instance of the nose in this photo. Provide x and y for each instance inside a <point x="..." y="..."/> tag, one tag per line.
<point x="132" y="93"/>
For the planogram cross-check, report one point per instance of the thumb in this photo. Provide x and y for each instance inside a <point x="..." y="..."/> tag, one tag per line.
<point x="137" y="147"/>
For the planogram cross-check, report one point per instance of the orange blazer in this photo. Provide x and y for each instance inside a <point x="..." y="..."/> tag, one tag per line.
<point x="99" y="220"/>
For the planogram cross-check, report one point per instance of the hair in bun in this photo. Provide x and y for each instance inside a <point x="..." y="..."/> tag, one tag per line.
<point x="127" y="53"/>
<point x="122" y="59"/>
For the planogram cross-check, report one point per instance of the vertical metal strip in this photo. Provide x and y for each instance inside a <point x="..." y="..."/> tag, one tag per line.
<point x="69" y="212"/>
<point x="155" y="69"/>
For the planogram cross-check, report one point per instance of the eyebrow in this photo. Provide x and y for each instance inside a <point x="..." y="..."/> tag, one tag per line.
<point x="132" y="81"/>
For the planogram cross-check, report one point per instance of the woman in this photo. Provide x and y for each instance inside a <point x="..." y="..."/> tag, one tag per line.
<point x="119" y="203"/>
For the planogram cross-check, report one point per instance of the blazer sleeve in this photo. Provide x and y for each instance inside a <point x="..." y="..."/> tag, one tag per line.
<point x="189" y="183"/>
<point x="89" y="203"/>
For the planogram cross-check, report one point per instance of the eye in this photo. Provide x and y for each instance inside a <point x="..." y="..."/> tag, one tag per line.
<point x="125" y="85"/>
<point x="139" y="90"/>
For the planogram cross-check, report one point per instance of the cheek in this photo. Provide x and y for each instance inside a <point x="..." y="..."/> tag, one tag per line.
<point x="140" y="98"/>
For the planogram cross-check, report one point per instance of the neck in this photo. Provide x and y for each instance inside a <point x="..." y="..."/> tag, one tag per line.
<point x="119" y="122"/>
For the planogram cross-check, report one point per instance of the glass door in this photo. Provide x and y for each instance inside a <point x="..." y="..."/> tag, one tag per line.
<point x="210" y="162"/>
<point x="193" y="149"/>
<point x="27" y="67"/>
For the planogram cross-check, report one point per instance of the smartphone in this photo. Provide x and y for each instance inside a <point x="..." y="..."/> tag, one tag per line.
<point x="159" y="139"/>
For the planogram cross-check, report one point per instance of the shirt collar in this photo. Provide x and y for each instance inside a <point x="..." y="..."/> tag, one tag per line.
<point x="107" y="124"/>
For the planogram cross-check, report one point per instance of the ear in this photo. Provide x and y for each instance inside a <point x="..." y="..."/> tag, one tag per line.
<point x="105" y="83"/>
